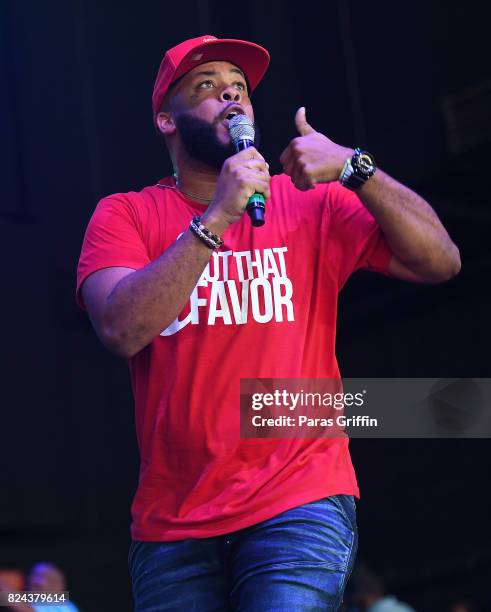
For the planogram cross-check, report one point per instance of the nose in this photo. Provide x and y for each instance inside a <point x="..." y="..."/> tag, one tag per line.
<point x="230" y="94"/>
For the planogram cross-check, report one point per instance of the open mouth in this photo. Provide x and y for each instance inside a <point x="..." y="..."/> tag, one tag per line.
<point x="232" y="111"/>
<point x="232" y="114"/>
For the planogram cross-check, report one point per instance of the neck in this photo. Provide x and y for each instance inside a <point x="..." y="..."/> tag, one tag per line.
<point x="196" y="179"/>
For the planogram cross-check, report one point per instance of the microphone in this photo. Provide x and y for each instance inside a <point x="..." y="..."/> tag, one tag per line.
<point x="242" y="136"/>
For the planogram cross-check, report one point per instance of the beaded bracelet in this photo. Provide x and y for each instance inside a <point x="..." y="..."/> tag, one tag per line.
<point x="211" y="240"/>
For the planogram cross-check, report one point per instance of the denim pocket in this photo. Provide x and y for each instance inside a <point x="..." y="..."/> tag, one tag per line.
<point x="131" y="555"/>
<point x="347" y="506"/>
<point x="138" y="553"/>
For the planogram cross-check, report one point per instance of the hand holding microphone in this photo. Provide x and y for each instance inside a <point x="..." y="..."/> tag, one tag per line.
<point x="243" y="183"/>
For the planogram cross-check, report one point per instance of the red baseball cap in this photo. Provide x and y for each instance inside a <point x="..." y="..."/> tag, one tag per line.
<point x="252" y="59"/>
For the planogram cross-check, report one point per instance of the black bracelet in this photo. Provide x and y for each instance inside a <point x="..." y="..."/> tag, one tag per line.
<point x="211" y="240"/>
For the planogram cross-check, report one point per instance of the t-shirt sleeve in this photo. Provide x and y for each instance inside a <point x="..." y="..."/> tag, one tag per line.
<point x="113" y="238"/>
<point x="357" y="240"/>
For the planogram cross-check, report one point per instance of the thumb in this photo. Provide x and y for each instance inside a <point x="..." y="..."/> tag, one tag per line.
<point x="301" y="122"/>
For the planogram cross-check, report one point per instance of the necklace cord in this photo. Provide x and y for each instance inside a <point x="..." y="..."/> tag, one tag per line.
<point x="177" y="188"/>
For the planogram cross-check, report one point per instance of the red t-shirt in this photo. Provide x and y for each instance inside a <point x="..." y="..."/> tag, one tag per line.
<point x="265" y="307"/>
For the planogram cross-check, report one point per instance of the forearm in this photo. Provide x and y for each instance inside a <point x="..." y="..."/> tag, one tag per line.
<point x="145" y="302"/>
<point x="411" y="227"/>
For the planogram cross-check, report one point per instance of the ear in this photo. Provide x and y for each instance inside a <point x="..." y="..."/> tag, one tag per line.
<point x="165" y="123"/>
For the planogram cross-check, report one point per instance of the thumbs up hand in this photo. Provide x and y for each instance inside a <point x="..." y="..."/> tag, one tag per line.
<point x="311" y="157"/>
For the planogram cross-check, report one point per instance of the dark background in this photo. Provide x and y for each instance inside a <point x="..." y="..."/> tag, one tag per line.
<point x="411" y="82"/>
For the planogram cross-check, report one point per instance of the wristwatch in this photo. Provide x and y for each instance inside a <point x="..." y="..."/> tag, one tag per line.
<point x="357" y="169"/>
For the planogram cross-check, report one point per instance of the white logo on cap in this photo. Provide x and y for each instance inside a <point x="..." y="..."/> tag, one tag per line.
<point x="208" y="39"/>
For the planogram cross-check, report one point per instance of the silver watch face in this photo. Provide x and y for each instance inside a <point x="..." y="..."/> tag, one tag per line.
<point x="365" y="162"/>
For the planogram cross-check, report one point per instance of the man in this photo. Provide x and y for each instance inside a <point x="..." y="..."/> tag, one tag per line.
<point x="47" y="577"/>
<point x="42" y="578"/>
<point x="219" y="521"/>
<point x="369" y="593"/>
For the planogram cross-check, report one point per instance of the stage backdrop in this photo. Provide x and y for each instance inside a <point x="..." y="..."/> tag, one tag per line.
<point x="406" y="81"/>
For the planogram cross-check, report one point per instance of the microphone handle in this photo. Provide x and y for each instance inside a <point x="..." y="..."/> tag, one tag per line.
<point x="255" y="204"/>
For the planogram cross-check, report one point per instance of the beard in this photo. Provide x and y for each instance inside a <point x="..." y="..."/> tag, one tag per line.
<point x="201" y="142"/>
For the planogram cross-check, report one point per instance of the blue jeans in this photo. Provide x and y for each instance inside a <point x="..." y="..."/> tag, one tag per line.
<point x="299" y="560"/>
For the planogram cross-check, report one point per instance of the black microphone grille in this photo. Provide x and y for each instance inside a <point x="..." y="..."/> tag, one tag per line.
<point x="241" y="128"/>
